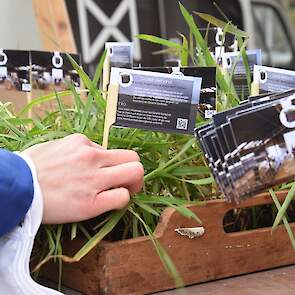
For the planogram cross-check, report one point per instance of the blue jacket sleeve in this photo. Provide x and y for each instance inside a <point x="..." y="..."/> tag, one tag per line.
<point x="16" y="190"/>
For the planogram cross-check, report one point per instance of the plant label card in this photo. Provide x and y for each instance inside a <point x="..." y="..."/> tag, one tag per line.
<point x="215" y="37"/>
<point x="120" y="54"/>
<point x="199" y="134"/>
<point x="206" y="136"/>
<point x="156" y="101"/>
<point x="233" y="63"/>
<point x="273" y="80"/>
<point x="53" y="71"/>
<point x="207" y="103"/>
<point x="15" y="84"/>
<point x="14" y="70"/>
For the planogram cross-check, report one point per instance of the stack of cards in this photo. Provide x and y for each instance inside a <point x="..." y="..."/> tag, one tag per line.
<point x="251" y="147"/>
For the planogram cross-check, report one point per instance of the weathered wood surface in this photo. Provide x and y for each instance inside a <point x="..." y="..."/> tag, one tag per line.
<point x="133" y="267"/>
<point x="54" y="25"/>
<point x="269" y="282"/>
<point x="278" y="281"/>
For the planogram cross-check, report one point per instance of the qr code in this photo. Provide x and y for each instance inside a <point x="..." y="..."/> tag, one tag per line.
<point x="181" y="124"/>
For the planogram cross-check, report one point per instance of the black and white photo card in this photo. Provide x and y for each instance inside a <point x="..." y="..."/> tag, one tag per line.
<point x="53" y="71"/>
<point x="120" y="54"/>
<point x="15" y="70"/>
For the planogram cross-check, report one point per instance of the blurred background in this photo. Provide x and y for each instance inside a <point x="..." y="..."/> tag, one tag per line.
<point x="84" y="26"/>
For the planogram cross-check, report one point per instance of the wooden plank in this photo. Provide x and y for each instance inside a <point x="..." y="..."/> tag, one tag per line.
<point x="54" y="25"/>
<point x="271" y="282"/>
<point x="133" y="267"/>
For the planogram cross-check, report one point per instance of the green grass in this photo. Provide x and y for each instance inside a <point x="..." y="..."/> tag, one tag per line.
<point x="176" y="173"/>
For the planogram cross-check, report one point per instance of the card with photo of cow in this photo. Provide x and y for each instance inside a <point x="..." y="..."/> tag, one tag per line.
<point x="14" y="70"/>
<point x="53" y="71"/>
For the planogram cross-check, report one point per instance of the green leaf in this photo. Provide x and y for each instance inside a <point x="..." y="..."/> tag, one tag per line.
<point x="64" y="114"/>
<point x="13" y="128"/>
<point x="221" y="24"/>
<point x="175" y="203"/>
<point x="107" y="228"/>
<point x="74" y="230"/>
<point x="184" y="52"/>
<point x="242" y="45"/>
<point x="201" y="44"/>
<point x="203" y="181"/>
<point x="190" y="170"/>
<point x="146" y="207"/>
<point x="44" y="98"/>
<point x="284" y="207"/>
<point x="58" y="238"/>
<point x="93" y="91"/>
<point x="285" y="221"/>
<point x="163" y="255"/>
<point x="157" y="171"/>
<point x="157" y="40"/>
<point x="148" y="199"/>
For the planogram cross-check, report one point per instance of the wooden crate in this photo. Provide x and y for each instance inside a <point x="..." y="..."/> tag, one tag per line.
<point x="133" y="267"/>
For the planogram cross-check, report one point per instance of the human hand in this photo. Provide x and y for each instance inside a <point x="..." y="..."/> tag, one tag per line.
<point x="80" y="180"/>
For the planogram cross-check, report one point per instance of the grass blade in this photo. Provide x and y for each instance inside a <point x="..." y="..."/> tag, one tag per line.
<point x="285" y="221"/>
<point x="161" y="41"/>
<point x="107" y="228"/>
<point x="284" y="207"/>
<point x="163" y="255"/>
<point x="221" y="24"/>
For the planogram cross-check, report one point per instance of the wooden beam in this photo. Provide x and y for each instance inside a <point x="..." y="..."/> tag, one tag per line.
<point x="54" y="25"/>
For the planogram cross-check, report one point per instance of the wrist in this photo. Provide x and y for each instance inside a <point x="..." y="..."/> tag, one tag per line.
<point x="38" y="195"/>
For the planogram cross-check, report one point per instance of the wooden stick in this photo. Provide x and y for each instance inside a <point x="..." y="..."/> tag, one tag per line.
<point x="111" y="111"/>
<point x="29" y="99"/>
<point x="106" y="76"/>
<point x="254" y="89"/>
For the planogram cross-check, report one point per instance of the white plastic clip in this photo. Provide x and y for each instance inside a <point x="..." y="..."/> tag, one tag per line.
<point x="191" y="232"/>
<point x="57" y="60"/>
<point x="3" y="57"/>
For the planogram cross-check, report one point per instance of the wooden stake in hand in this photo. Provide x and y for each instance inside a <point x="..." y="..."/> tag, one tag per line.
<point x="254" y="89"/>
<point x="106" y="75"/>
<point x="111" y="112"/>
